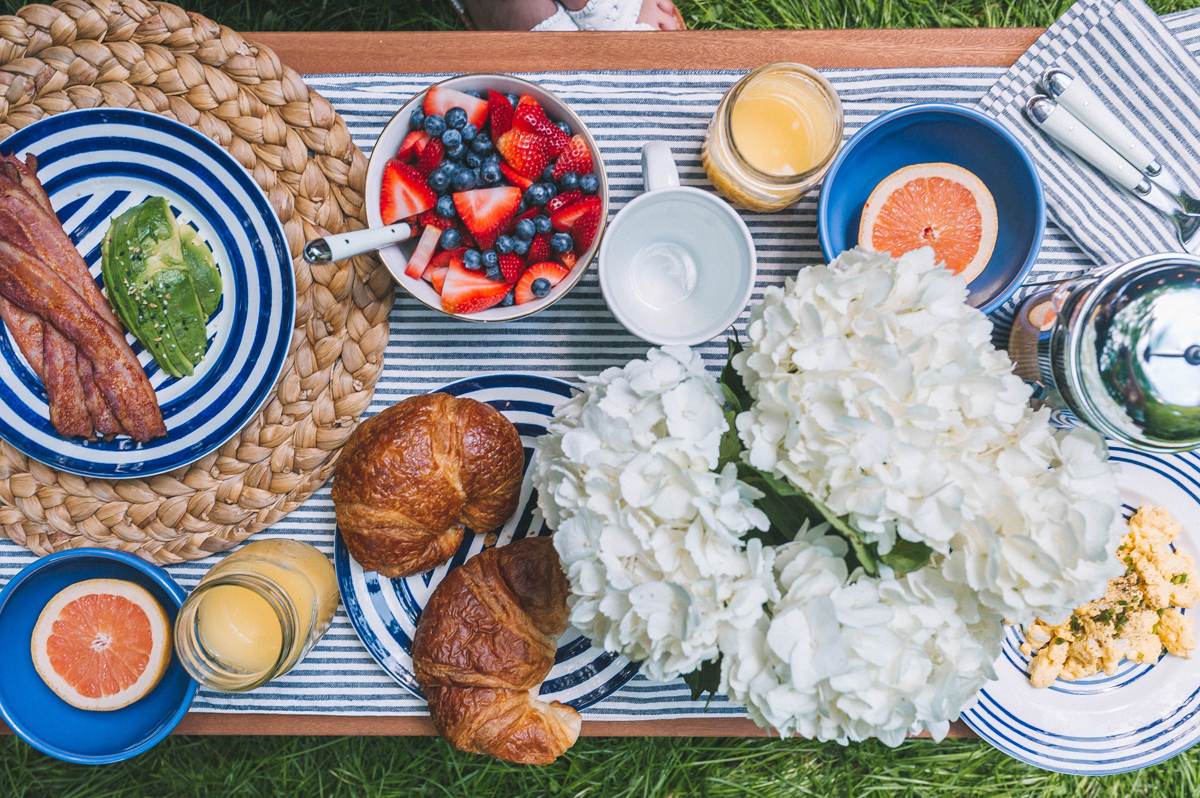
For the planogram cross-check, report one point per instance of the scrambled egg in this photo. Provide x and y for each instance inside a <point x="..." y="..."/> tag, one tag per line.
<point x="1138" y="616"/>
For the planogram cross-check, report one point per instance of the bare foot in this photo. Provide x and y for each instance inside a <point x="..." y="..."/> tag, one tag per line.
<point x="511" y="14"/>
<point x="660" y="14"/>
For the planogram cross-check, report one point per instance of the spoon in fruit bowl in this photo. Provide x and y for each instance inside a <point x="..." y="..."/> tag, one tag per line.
<point x="356" y="242"/>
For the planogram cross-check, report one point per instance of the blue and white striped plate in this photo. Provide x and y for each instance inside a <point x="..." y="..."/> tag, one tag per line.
<point x="99" y="162"/>
<point x="384" y="611"/>
<point x="1105" y="724"/>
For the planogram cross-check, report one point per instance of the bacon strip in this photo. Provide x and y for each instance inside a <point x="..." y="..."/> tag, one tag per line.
<point x="35" y="288"/>
<point x="105" y="423"/>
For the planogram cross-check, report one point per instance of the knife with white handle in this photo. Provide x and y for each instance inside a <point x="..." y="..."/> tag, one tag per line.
<point x="1077" y="97"/>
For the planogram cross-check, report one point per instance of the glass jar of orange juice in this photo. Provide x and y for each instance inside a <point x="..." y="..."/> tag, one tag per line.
<point x="773" y="136"/>
<point x="256" y="614"/>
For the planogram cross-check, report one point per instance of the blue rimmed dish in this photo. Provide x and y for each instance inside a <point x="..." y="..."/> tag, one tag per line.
<point x="384" y="611"/>
<point x="942" y="133"/>
<point x="36" y="713"/>
<point x="97" y="163"/>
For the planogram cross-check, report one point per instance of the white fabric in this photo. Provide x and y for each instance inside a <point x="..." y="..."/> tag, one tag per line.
<point x="610" y="15"/>
<point x="559" y="21"/>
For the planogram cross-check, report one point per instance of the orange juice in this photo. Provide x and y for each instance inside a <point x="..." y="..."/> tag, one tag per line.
<point x="782" y="124"/>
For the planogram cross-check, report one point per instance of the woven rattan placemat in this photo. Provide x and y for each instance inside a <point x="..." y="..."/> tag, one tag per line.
<point x="159" y="58"/>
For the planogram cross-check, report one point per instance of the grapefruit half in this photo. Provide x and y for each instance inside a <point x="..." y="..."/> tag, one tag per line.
<point x="101" y="644"/>
<point x="939" y="205"/>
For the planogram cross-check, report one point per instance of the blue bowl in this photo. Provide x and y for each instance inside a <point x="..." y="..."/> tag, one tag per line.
<point x="36" y="713"/>
<point x="938" y="132"/>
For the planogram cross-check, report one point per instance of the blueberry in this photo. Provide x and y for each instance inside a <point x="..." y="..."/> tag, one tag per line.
<point x="438" y="180"/>
<point x="540" y="287"/>
<point x="469" y="132"/>
<point x="490" y="258"/>
<point x="535" y="195"/>
<point x="451" y="239"/>
<point x="445" y="207"/>
<point x="474" y="94"/>
<point x="456" y="152"/>
<point x="481" y="145"/>
<point x="452" y="138"/>
<point x="417" y="118"/>
<point x="473" y="160"/>
<point x="569" y="181"/>
<point x="548" y="173"/>
<point x="472" y="260"/>
<point x="521" y="247"/>
<point x="492" y="271"/>
<point x="564" y="127"/>
<point x="435" y="125"/>
<point x="504" y="244"/>
<point x="456" y="118"/>
<point x="509" y="299"/>
<point x="464" y="180"/>
<point x="561" y="242"/>
<point x="541" y="223"/>
<point x="513" y="99"/>
<point x="490" y="173"/>
<point x="522" y="206"/>
<point x="526" y="229"/>
<point x="551" y="191"/>
<point x="589" y="184"/>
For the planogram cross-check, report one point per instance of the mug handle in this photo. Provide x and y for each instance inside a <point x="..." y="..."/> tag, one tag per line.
<point x="658" y="166"/>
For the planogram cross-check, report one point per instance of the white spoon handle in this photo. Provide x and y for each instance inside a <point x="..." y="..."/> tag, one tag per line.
<point x="347" y="245"/>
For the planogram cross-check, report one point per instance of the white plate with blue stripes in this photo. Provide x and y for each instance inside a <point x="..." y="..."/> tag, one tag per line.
<point x="384" y="611"/>
<point x="98" y="163"/>
<point x="1139" y="717"/>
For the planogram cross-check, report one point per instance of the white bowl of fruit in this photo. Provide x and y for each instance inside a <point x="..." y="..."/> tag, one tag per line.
<point x="506" y="191"/>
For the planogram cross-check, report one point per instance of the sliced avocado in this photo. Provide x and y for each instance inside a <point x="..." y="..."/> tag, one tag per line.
<point x="203" y="269"/>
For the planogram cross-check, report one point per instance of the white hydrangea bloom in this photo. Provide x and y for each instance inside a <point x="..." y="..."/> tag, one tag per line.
<point x="877" y="390"/>
<point x="650" y="535"/>
<point x="845" y="657"/>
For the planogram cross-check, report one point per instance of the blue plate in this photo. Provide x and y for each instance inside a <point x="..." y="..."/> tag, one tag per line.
<point x="36" y="713"/>
<point x="936" y="132"/>
<point x="97" y="163"/>
<point x="384" y="611"/>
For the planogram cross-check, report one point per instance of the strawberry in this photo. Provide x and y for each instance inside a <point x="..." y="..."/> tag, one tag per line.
<point x="465" y="291"/>
<point x="468" y="240"/>
<point x="576" y="157"/>
<point x="520" y="181"/>
<point x="585" y="229"/>
<point x="550" y="272"/>
<point x="511" y="267"/>
<point x="443" y="258"/>
<point x="500" y="111"/>
<point x="405" y="192"/>
<point x="563" y="200"/>
<point x="431" y="218"/>
<point x="485" y="211"/>
<point x="408" y="149"/>
<point x="439" y="100"/>
<point x="525" y="152"/>
<point x="419" y="262"/>
<point x="430" y="157"/>
<point x="539" y="249"/>
<point x="568" y="259"/>
<point x="564" y="218"/>
<point x="530" y="118"/>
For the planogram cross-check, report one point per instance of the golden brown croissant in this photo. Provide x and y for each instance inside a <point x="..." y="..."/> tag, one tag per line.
<point x="484" y="644"/>
<point x="414" y="478"/>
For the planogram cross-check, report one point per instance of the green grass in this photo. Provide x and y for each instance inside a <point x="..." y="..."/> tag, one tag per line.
<point x="616" y="768"/>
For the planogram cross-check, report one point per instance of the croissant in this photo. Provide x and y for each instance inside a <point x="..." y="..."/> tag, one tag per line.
<point x="483" y="645"/>
<point x="412" y="480"/>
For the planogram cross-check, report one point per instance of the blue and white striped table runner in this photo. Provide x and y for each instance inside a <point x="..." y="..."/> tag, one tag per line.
<point x="578" y="335"/>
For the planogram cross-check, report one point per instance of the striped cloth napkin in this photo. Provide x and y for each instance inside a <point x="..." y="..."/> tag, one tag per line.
<point x="1147" y="77"/>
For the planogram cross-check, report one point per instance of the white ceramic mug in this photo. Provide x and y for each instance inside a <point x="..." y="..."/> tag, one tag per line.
<point x="677" y="264"/>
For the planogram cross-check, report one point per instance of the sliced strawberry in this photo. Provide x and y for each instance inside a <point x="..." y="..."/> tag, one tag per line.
<point x="500" y="111"/>
<point x="519" y="180"/>
<point x="485" y="211"/>
<point x="563" y="200"/>
<point x="424" y="251"/>
<point x="465" y="291"/>
<point x="539" y="249"/>
<point x="468" y="240"/>
<point x="585" y="229"/>
<point x="511" y="267"/>
<point x="408" y="148"/>
<point x="443" y="258"/>
<point x="405" y="192"/>
<point x="530" y="118"/>
<point x="564" y="218"/>
<point x="430" y="157"/>
<point x="431" y="218"/>
<point x="568" y="259"/>
<point x="577" y="158"/>
<point x="436" y="275"/>
<point x="550" y="272"/>
<point x="439" y="100"/>
<point x="527" y="153"/>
